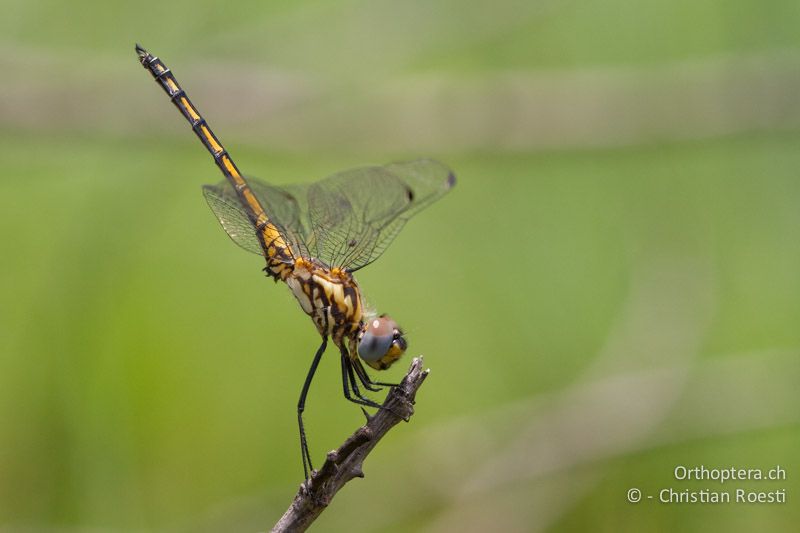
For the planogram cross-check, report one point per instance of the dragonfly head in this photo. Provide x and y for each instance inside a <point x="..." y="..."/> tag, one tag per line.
<point x="381" y="343"/>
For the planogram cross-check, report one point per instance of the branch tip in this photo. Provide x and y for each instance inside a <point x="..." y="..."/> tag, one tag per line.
<point x="346" y="462"/>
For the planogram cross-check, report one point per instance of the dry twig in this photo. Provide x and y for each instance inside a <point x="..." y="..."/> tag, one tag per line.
<point x="345" y="463"/>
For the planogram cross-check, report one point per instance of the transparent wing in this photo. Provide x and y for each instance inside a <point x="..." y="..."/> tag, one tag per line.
<point x="279" y="203"/>
<point x="346" y="220"/>
<point x="354" y="215"/>
<point x="225" y="204"/>
<point x="286" y="207"/>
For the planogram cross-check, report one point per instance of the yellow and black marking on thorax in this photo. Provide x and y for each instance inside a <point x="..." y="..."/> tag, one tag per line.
<point x="279" y="257"/>
<point x="331" y="298"/>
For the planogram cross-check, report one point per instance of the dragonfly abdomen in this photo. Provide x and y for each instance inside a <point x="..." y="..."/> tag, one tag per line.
<point x="272" y="241"/>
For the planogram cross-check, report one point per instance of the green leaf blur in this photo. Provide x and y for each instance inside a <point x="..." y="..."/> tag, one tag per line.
<point x="611" y="290"/>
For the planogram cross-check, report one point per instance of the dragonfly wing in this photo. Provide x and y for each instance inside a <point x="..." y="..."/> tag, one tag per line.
<point x="280" y="203"/>
<point x="232" y="217"/>
<point x="354" y="215"/>
<point x="346" y="220"/>
<point x="287" y="207"/>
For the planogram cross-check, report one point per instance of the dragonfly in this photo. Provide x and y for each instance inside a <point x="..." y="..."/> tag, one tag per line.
<point x="314" y="237"/>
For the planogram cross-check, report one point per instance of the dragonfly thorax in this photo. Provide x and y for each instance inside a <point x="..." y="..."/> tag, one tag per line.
<point x="331" y="298"/>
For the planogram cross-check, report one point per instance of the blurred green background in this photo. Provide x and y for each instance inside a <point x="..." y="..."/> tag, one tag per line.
<point x="612" y="290"/>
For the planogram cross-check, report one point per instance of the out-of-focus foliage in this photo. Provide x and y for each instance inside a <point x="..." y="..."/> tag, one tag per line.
<point x="611" y="290"/>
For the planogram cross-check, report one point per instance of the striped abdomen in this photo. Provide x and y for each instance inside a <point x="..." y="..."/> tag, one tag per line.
<point x="279" y="256"/>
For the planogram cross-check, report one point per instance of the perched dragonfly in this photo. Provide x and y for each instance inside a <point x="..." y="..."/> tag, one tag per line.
<point x="314" y="237"/>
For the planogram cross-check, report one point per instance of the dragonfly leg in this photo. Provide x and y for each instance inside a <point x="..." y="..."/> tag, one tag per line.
<point x="348" y="381"/>
<point x="301" y="405"/>
<point x="365" y="379"/>
<point x="348" y="375"/>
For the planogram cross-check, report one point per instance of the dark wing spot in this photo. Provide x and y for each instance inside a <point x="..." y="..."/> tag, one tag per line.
<point x="410" y="194"/>
<point x="352" y="243"/>
<point x="451" y="180"/>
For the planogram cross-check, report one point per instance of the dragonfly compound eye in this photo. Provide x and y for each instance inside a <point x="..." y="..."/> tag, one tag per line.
<point x="382" y="343"/>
